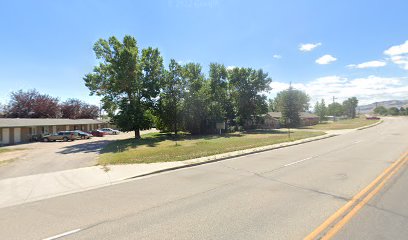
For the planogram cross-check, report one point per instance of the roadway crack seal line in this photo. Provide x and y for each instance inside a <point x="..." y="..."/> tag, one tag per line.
<point x="335" y="222"/>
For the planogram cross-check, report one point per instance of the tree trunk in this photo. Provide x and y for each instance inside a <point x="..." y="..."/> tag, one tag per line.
<point x="137" y="134"/>
<point x="175" y="123"/>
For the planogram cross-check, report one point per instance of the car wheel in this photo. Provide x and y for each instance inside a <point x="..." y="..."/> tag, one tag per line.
<point x="46" y="140"/>
<point x="65" y="139"/>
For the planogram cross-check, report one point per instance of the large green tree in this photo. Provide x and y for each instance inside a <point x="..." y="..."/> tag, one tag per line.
<point x="127" y="80"/>
<point x="335" y="109"/>
<point x="393" y="111"/>
<point x="380" y="110"/>
<point x="171" y="98"/>
<point x="290" y="103"/>
<point x="219" y="101"/>
<point x="195" y="109"/>
<point x="350" y="106"/>
<point x="320" y="110"/>
<point x="247" y="87"/>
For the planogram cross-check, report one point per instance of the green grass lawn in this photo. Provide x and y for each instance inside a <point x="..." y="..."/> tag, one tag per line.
<point x="343" y="124"/>
<point x="157" y="147"/>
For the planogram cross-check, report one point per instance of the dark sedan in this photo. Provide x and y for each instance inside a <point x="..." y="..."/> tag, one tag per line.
<point x="84" y="135"/>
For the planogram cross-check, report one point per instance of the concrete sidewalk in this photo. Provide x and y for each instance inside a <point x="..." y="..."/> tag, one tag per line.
<point x="30" y="188"/>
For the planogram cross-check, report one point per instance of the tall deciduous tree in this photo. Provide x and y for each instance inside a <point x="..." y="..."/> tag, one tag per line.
<point x="218" y="94"/>
<point x="393" y="111"/>
<point x="271" y="105"/>
<point x="335" y="109"/>
<point x="195" y="110"/>
<point x="290" y="103"/>
<point x="320" y="110"/>
<point x="32" y="104"/>
<point x="76" y="109"/>
<point x="350" y="106"/>
<point x="171" y="97"/>
<point x="381" y="110"/>
<point x="247" y="86"/>
<point x="127" y="81"/>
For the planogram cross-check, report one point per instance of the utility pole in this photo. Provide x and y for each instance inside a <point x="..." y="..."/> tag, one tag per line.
<point x="334" y="115"/>
<point x="334" y="98"/>
<point x="100" y="110"/>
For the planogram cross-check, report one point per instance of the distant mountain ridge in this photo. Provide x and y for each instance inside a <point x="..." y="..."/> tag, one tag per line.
<point x="387" y="104"/>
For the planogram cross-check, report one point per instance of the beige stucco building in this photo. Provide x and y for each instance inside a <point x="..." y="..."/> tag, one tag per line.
<point x="20" y="130"/>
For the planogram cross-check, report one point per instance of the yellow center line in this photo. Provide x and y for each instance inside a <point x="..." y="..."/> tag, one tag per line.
<point x="395" y="166"/>
<point x="360" y="205"/>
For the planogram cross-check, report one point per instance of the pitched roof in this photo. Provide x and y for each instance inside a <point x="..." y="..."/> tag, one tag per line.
<point x="308" y="115"/>
<point x="275" y="114"/>
<point x="302" y="115"/>
<point x="31" y="122"/>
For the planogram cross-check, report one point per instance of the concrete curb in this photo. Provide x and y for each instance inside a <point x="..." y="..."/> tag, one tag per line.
<point x="221" y="157"/>
<point x="372" y="125"/>
<point x="230" y="155"/>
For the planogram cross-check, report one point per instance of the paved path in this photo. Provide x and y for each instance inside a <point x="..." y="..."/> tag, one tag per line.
<point x="45" y="157"/>
<point x="279" y="194"/>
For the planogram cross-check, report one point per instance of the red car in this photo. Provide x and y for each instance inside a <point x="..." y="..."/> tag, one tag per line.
<point x="98" y="133"/>
<point x="372" y="118"/>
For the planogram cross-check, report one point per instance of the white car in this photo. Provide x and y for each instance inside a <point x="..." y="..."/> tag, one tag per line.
<point x="109" y="131"/>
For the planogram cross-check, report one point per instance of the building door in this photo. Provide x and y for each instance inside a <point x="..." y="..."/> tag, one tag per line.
<point x="54" y="129"/>
<point x="17" y="135"/>
<point x="5" y="136"/>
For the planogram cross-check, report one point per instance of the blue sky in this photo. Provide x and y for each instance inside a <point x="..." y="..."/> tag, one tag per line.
<point x="47" y="45"/>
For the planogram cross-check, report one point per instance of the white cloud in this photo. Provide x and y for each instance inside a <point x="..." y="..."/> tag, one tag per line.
<point x="397" y="49"/>
<point x="367" y="90"/>
<point x="402" y="61"/>
<point x="277" y="56"/>
<point x="326" y="59"/>
<point x="399" y="54"/>
<point x="370" y="64"/>
<point x="231" y="67"/>
<point x="307" y="47"/>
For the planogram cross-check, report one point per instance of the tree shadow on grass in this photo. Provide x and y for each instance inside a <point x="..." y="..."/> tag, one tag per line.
<point x="85" y="147"/>
<point x="154" y="140"/>
<point x="265" y="131"/>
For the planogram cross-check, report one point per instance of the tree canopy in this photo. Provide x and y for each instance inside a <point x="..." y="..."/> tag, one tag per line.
<point x="77" y="109"/>
<point x="350" y="106"/>
<point x="290" y="103"/>
<point x="32" y="104"/>
<point x="320" y="110"/>
<point x="128" y="80"/>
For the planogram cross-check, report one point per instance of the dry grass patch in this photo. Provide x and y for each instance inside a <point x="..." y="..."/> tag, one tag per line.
<point x="343" y="124"/>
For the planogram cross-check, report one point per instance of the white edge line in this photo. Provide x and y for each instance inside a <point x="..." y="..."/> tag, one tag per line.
<point x="286" y="165"/>
<point x="63" y="234"/>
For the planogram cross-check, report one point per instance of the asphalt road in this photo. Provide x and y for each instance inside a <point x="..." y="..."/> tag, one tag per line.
<point x="279" y="194"/>
<point x="45" y="157"/>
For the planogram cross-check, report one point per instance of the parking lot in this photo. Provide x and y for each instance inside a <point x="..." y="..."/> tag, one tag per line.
<point x="43" y="157"/>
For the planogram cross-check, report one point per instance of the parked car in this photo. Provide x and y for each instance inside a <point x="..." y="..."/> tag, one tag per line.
<point x="109" y="131"/>
<point x="61" y="136"/>
<point x="98" y="133"/>
<point x="83" y="135"/>
<point x="372" y="118"/>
